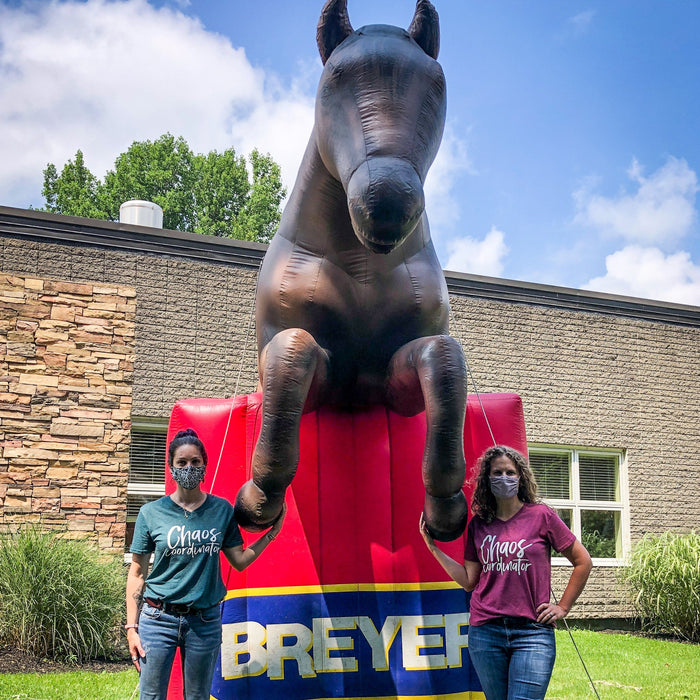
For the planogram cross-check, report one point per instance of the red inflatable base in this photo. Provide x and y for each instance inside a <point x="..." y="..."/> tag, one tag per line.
<point x="347" y="602"/>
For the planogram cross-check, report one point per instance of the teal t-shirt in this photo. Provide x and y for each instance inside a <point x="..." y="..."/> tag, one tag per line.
<point x="186" y="568"/>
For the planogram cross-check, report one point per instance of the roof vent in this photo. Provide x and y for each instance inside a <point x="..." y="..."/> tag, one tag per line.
<point x="141" y="213"/>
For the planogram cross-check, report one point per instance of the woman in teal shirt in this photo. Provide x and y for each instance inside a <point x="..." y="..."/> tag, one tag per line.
<point x="176" y="605"/>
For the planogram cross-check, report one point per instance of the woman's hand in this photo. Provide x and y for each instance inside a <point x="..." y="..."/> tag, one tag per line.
<point x="427" y="537"/>
<point x="549" y="613"/>
<point x="277" y="525"/>
<point x="135" y="649"/>
<point x="240" y="558"/>
<point x="135" y="584"/>
<point x="466" y="575"/>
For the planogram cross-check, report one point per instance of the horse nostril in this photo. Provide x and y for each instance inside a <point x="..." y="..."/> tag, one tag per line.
<point x="386" y="201"/>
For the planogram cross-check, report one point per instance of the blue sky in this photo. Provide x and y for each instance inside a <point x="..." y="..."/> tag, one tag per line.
<point x="571" y="154"/>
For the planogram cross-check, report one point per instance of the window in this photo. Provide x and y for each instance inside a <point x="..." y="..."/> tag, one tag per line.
<point x="146" y="468"/>
<point x="587" y="488"/>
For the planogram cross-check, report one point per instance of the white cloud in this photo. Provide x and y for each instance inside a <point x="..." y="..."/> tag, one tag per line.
<point x="441" y="202"/>
<point x="98" y="75"/>
<point x="481" y="257"/>
<point x="648" y="273"/>
<point x="662" y="210"/>
<point x="582" y="21"/>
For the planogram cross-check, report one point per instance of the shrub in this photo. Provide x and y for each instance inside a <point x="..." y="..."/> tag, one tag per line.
<point x="664" y="575"/>
<point x="59" y="598"/>
<point x="597" y="544"/>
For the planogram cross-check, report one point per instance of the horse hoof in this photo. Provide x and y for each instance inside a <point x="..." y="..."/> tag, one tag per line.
<point x="255" y="510"/>
<point x="446" y="518"/>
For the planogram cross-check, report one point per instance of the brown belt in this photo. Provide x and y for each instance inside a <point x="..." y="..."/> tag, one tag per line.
<point x="172" y="608"/>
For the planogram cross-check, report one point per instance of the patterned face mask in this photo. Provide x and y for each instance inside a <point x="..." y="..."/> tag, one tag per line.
<point x="504" y="486"/>
<point x="188" y="477"/>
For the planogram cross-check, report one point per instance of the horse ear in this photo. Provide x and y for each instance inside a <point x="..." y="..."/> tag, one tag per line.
<point x="333" y="26"/>
<point x="425" y="28"/>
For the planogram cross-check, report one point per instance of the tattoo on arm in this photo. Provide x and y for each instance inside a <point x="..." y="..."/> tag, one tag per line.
<point x="138" y="597"/>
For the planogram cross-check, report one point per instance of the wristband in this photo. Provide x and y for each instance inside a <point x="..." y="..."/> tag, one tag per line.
<point x="270" y="536"/>
<point x="131" y="627"/>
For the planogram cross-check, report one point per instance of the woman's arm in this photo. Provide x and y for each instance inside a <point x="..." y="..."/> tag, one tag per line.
<point x="466" y="575"/>
<point x="240" y="558"/>
<point x="578" y="555"/>
<point x="135" y="584"/>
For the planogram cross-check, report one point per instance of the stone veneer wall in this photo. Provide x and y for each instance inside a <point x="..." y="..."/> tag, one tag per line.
<point x="587" y="379"/>
<point x="194" y="325"/>
<point x="66" y="373"/>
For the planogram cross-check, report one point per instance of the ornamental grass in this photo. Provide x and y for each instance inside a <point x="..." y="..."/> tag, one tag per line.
<point x="60" y="598"/>
<point x="664" y="576"/>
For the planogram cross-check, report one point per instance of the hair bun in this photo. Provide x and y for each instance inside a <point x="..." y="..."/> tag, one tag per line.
<point x="186" y="433"/>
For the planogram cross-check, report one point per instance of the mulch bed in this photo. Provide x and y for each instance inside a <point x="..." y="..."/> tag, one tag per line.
<point x="13" y="661"/>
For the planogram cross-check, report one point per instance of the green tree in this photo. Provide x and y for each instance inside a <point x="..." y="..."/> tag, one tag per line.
<point x="160" y="171"/>
<point x="261" y="214"/>
<point x="74" y="191"/>
<point x="212" y="194"/>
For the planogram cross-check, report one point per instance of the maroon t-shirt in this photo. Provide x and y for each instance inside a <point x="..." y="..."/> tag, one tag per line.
<point x="515" y="561"/>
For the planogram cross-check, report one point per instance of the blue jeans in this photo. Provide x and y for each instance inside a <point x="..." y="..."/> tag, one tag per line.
<point x="513" y="658"/>
<point x="199" y="638"/>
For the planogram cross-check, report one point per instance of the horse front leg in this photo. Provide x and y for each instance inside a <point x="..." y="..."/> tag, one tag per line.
<point x="430" y="372"/>
<point x="293" y="370"/>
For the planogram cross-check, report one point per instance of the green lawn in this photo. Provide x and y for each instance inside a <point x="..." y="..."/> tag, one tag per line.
<point x="622" y="666"/>
<point x="69" y="686"/>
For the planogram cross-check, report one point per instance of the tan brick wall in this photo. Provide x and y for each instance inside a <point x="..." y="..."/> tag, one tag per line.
<point x="66" y="373"/>
<point x="603" y="598"/>
<point x="594" y="380"/>
<point x="586" y="379"/>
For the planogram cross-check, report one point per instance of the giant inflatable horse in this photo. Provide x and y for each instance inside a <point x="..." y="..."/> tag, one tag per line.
<point x="352" y="306"/>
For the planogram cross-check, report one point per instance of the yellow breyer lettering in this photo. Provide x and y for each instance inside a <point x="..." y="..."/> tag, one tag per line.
<point x="278" y="652"/>
<point x="324" y="644"/>
<point x="380" y="642"/>
<point x="412" y="642"/>
<point x="250" y="649"/>
<point x="455" y="638"/>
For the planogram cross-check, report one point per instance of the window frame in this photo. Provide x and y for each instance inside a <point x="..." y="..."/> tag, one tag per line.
<point x="576" y="504"/>
<point x="142" y="424"/>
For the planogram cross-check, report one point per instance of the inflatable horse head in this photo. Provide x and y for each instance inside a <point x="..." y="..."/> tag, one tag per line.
<point x="380" y="113"/>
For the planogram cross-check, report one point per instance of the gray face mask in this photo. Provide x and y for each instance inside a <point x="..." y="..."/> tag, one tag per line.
<point x="504" y="486"/>
<point x="188" y="477"/>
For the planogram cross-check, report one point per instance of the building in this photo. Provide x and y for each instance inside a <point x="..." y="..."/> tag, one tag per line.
<point x="103" y="326"/>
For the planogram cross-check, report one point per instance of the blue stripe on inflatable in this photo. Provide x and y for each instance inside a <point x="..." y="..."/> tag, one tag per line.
<point x="346" y="641"/>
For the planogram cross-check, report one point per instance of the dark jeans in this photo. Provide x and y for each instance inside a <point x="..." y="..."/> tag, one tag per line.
<point x="513" y="658"/>
<point x="199" y="639"/>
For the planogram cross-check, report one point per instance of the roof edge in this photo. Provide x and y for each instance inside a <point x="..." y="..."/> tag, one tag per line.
<point x="58" y="228"/>
<point x="516" y="291"/>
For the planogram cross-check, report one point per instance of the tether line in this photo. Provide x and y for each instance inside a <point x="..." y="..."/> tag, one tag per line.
<point x="473" y="381"/>
<point x="238" y="379"/>
<point x="483" y="410"/>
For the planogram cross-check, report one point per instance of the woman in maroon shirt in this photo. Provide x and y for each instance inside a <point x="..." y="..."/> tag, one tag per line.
<point x="507" y="566"/>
